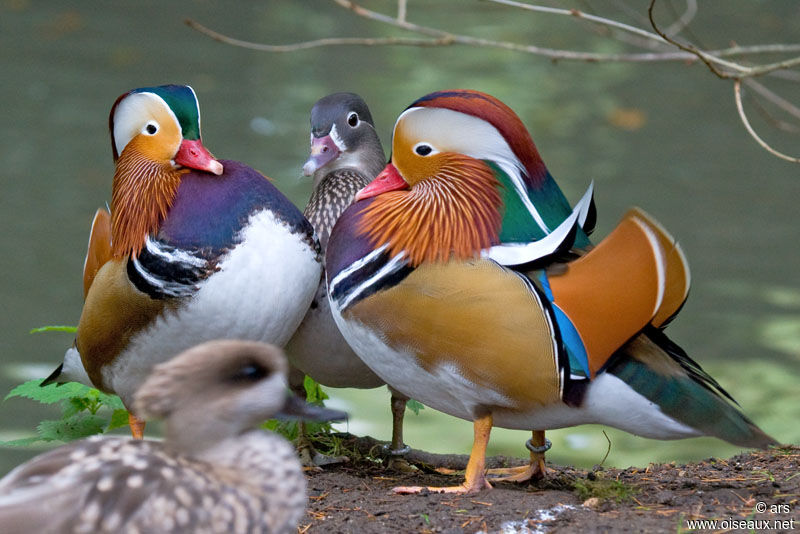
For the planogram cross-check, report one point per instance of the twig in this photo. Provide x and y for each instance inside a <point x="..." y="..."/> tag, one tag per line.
<point x="737" y="91"/>
<point x="331" y="41"/>
<point x="401" y="10"/>
<point x="779" y="101"/>
<point x="713" y="59"/>
<point x="581" y="15"/>
<point x="713" y="62"/>
<point x="776" y="123"/>
<point x="708" y="59"/>
<point x="608" y="450"/>
<point x="444" y="38"/>
<point x="684" y="20"/>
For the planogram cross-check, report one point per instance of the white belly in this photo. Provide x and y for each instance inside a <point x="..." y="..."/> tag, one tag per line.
<point x="261" y="292"/>
<point x="318" y="349"/>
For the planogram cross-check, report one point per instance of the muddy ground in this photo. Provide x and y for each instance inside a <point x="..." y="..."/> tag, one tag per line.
<point x="357" y="496"/>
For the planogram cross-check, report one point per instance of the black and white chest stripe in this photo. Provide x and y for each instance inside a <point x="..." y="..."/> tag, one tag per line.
<point x="165" y="271"/>
<point x="366" y="276"/>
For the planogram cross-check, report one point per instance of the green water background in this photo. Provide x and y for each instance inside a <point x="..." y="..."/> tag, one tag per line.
<point x="661" y="136"/>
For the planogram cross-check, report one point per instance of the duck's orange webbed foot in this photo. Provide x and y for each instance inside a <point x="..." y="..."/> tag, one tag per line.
<point x="535" y="470"/>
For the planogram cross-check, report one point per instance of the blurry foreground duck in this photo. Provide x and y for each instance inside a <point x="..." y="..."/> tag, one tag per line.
<point x="463" y="278"/>
<point x="194" y="249"/>
<point x="212" y="473"/>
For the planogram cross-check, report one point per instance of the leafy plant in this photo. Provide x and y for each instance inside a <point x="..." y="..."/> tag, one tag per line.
<point x="84" y="411"/>
<point x="289" y="429"/>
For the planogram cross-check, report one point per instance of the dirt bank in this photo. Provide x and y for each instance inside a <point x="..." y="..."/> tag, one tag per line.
<point x="357" y="496"/>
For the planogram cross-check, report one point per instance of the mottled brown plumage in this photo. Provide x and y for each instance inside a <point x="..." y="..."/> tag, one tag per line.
<point x="211" y="473"/>
<point x="330" y="198"/>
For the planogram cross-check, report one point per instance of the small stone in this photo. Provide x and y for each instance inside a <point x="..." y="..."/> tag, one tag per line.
<point x="592" y="502"/>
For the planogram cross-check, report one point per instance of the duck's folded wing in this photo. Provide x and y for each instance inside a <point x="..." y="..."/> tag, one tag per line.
<point x="477" y="319"/>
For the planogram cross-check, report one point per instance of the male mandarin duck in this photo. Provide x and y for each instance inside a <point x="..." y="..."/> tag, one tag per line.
<point x="194" y="249"/>
<point x="464" y="280"/>
<point x="346" y="154"/>
<point x="214" y="472"/>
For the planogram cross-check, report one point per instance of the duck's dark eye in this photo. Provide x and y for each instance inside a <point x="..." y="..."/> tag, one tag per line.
<point x="151" y="128"/>
<point x="249" y="372"/>
<point x="352" y="119"/>
<point x="423" y="150"/>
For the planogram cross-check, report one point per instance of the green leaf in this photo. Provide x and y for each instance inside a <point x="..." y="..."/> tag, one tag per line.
<point x="112" y="401"/>
<point x="314" y="392"/>
<point x="74" y="406"/>
<point x="49" y="394"/>
<point x="414" y="406"/>
<point x="287" y="429"/>
<point x="72" y="428"/>
<point x="72" y="329"/>
<point x="118" y="419"/>
<point x="22" y="442"/>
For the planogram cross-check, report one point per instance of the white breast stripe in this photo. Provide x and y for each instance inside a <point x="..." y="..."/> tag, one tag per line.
<point x="164" y="286"/>
<point x="356" y="265"/>
<point x="175" y="255"/>
<point x="394" y="265"/>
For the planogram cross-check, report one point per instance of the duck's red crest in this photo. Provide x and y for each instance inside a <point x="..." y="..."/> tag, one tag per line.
<point x="499" y="115"/>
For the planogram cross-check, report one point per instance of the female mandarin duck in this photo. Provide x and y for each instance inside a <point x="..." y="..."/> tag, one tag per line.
<point x="454" y="278"/>
<point x="194" y="249"/>
<point x="346" y="154"/>
<point x="212" y="473"/>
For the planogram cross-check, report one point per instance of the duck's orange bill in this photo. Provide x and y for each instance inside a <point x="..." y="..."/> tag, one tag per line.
<point x="388" y="180"/>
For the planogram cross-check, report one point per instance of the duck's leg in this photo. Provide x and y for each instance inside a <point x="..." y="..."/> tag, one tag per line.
<point x="137" y="426"/>
<point x="535" y="470"/>
<point x="310" y="458"/>
<point x="474" y="478"/>
<point x="397" y="449"/>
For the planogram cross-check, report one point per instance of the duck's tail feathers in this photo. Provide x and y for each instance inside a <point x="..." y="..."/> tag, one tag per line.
<point x="664" y="374"/>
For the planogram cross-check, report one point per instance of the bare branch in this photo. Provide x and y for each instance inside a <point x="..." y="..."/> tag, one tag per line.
<point x="332" y="41"/>
<point x="676" y="27"/>
<point x="401" y="10"/>
<point x="779" y="101"/>
<point x="737" y="92"/>
<point x="714" y="62"/>
<point x="444" y="38"/>
<point x="581" y="15"/>
<point x="662" y="45"/>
